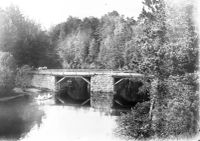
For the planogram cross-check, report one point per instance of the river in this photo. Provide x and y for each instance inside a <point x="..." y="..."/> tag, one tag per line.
<point x="25" y="120"/>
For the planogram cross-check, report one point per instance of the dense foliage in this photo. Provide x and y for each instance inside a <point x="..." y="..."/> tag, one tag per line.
<point x="7" y="72"/>
<point x="169" y="51"/>
<point x="25" y="40"/>
<point x="175" y="111"/>
<point x="137" y="123"/>
<point x="22" y="42"/>
<point x="180" y="107"/>
<point x="23" y="77"/>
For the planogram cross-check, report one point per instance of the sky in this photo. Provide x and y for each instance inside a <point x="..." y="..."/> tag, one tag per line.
<point x="51" y="12"/>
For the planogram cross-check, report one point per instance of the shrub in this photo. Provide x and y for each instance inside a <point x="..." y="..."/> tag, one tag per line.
<point x="137" y="123"/>
<point x="177" y="113"/>
<point x="183" y="113"/>
<point x="23" y="77"/>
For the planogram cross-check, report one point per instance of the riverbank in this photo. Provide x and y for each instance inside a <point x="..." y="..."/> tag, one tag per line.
<point x="11" y="97"/>
<point x="40" y="96"/>
<point x="7" y="94"/>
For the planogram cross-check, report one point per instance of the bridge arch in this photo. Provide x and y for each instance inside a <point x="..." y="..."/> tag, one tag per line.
<point x="130" y="90"/>
<point x="74" y="89"/>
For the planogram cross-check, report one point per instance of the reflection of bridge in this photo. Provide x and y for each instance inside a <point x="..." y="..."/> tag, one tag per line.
<point x="102" y="82"/>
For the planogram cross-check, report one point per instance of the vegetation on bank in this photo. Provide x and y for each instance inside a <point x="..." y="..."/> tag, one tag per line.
<point x="7" y="73"/>
<point x="174" y="106"/>
<point x="23" y="78"/>
<point x="162" y="41"/>
<point x="175" y="111"/>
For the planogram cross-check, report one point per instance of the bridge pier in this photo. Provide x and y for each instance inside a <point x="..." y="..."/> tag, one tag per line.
<point x="102" y="91"/>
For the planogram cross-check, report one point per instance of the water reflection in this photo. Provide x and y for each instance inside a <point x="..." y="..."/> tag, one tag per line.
<point x="17" y="117"/>
<point x="74" y="124"/>
<point x="25" y="120"/>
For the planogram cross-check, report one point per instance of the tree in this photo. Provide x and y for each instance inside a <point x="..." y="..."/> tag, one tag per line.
<point x="7" y="72"/>
<point x="79" y="46"/>
<point x="24" y="39"/>
<point x="183" y="39"/>
<point x="8" y="36"/>
<point x="115" y="32"/>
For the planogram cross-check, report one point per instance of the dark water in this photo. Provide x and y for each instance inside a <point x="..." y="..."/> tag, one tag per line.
<point x="26" y="120"/>
<point x="17" y="117"/>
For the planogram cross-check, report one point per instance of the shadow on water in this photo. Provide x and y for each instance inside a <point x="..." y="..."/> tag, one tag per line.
<point x="17" y="117"/>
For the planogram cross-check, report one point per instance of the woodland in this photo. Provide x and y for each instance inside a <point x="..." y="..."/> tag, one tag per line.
<point x="162" y="42"/>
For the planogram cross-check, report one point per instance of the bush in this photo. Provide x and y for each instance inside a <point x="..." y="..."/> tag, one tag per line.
<point x="175" y="111"/>
<point x="182" y="107"/>
<point x="137" y="123"/>
<point x="23" y="78"/>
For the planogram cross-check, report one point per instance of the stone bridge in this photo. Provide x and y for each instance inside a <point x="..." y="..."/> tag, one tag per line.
<point x="101" y="82"/>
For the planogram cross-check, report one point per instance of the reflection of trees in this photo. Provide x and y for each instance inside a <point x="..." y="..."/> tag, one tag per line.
<point x="17" y="119"/>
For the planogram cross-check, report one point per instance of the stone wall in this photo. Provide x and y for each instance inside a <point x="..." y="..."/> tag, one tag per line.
<point x="44" y="81"/>
<point x="102" y="91"/>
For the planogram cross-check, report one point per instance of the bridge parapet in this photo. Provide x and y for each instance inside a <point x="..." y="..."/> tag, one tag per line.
<point x="82" y="72"/>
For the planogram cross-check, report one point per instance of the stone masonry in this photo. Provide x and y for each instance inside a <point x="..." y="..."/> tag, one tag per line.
<point x="44" y="81"/>
<point x="102" y="91"/>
